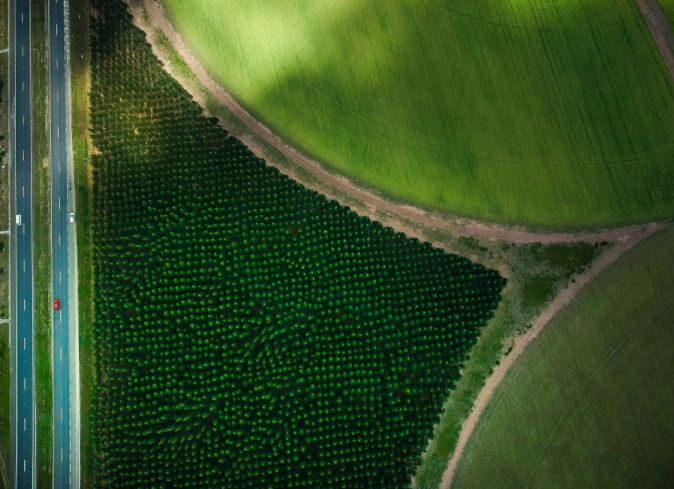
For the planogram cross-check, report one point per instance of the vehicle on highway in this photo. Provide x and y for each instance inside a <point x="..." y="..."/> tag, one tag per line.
<point x="72" y="217"/>
<point x="18" y="219"/>
<point x="57" y="305"/>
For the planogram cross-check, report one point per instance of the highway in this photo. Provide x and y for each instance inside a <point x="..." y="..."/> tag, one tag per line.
<point x="21" y="249"/>
<point x="63" y="253"/>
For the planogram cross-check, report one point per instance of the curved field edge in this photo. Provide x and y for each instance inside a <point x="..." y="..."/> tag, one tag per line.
<point x="181" y="64"/>
<point x="604" y="415"/>
<point x="617" y="184"/>
<point x="466" y="403"/>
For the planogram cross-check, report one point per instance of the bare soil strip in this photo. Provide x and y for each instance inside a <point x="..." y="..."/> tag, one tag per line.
<point x="332" y="185"/>
<point x="3" y="472"/>
<point x="662" y="34"/>
<point x="523" y="341"/>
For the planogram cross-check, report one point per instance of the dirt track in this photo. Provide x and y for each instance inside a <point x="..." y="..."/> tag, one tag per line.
<point x="336" y="186"/>
<point x="523" y="341"/>
<point x="662" y="34"/>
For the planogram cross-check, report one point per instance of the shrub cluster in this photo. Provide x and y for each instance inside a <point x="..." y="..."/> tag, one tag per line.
<point x="249" y="332"/>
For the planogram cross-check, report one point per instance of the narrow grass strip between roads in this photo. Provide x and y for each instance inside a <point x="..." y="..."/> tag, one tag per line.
<point x="41" y="244"/>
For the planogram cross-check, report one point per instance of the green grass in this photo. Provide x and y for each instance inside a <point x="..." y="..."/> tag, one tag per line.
<point x="41" y="245"/>
<point x="80" y="76"/>
<point x="512" y="111"/>
<point x="591" y="402"/>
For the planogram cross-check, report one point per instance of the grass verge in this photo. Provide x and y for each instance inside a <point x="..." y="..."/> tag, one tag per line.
<point x="41" y="244"/>
<point x="80" y="76"/>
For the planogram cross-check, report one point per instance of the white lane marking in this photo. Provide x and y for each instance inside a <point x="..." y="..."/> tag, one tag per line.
<point x="59" y="276"/>
<point x="59" y="203"/>
<point x="59" y="240"/>
<point x="58" y="132"/>
<point x="57" y="63"/>
<point x="23" y="156"/>
<point x="24" y="460"/>
<point x="24" y="304"/>
<point x="23" y="120"/>
<point x="24" y="383"/>
<point x="61" y="357"/>
<point x="61" y="414"/>
<point x="24" y="424"/>
<point x="59" y="165"/>
<point x="21" y="50"/>
<point x="57" y="97"/>
<point x="60" y="316"/>
<point x="24" y="265"/>
<point x="24" y="229"/>
<point x="57" y="29"/>
<point x="23" y="86"/>
<point x="24" y="343"/>
<point x="61" y="454"/>
<point x="23" y="191"/>
<point x="22" y="23"/>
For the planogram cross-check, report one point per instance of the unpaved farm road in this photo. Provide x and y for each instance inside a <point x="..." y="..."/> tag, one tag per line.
<point x="604" y="260"/>
<point x="371" y="203"/>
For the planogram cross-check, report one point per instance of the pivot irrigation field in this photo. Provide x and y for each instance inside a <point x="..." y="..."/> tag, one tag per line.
<point x="249" y="332"/>
<point x="550" y="114"/>
<point x="591" y="403"/>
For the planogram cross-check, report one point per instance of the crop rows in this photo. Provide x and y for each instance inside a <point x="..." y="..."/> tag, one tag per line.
<point x="249" y="332"/>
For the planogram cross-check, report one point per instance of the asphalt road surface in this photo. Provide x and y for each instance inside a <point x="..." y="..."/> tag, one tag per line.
<point x="21" y="261"/>
<point x="64" y="354"/>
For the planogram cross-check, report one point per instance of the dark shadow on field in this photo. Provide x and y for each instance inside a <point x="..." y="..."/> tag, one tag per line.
<point x="558" y="93"/>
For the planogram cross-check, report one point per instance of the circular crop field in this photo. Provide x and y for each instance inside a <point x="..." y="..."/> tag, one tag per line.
<point x="555" y="114"/>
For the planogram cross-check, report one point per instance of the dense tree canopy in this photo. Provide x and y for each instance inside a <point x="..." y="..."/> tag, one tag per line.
<point x="249" y="332"/>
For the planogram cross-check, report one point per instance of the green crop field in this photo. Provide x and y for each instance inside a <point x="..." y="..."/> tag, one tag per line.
<point x="249" y="332"/>
<point x="554" y="114"/>
<point x="591" y="403"/>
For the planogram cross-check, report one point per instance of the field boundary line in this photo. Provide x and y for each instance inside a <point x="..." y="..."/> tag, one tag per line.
<point x="373" y="204"/>
<point x="562" y="300"/>
<point x="660" y="30"/>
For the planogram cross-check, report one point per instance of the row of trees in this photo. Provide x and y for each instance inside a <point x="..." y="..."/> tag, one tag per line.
<point x="249" y="332"/>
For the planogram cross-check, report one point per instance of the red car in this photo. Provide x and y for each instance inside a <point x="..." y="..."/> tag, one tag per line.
<point x="57" y="305"/>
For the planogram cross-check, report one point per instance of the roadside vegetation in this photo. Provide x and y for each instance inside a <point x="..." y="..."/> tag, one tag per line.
<point x="42" y="243"/>
<point x="4" y="254"/>
<point x="552" y="117"/>
<point x="249" y="331"/>
<point x="589" y="404"/>
<point x="80" y="80"/>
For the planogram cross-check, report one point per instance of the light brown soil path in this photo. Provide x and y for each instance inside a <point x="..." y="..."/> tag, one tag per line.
<point x="662" y="34"/>
<point x="523" y="341"/>
<point x="3" y="472"/>
<point x="335" y="186"/>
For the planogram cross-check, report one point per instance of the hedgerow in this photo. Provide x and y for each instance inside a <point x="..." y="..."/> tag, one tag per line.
<point x="249" y="332"/>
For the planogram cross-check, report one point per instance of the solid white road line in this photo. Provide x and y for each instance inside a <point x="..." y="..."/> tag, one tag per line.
<point x="24" y="383"/>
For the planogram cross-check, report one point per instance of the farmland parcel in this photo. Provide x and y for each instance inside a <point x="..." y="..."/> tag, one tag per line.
<point x="250" y="332"/>
<point x="590" y="404"/>
<point x="512" y="111"/>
